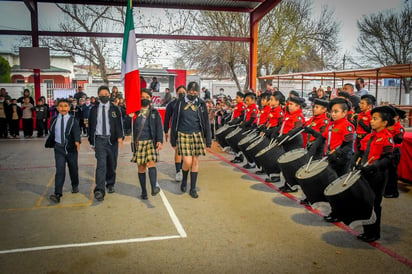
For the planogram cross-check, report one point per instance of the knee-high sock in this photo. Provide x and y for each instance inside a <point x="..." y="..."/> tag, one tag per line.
<point x="153" y="176"/>
<point x="184" y="179"/>
<point x="142" y="180"/>
<point x="178" y="166"/>
<point x="193" y="180"/>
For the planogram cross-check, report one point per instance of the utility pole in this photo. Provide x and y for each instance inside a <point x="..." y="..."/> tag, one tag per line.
<point x="344" y="60"/>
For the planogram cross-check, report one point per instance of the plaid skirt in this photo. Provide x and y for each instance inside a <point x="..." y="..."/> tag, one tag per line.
<point x="145" y="152"/>
<point x="190" y="144"/>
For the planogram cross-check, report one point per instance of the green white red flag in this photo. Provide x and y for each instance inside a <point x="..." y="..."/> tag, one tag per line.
<point x="130" y="72"/>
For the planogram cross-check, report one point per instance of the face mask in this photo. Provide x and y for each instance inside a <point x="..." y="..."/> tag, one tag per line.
<point x="145" y="102"/>
<point x="191" y="97"/>
<point x="104" y="99"/>
<point x="357" y="86"/>
<point x="181" y="95"/>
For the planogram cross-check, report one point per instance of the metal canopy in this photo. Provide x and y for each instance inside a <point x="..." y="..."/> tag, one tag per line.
<point x="394" y="71"/>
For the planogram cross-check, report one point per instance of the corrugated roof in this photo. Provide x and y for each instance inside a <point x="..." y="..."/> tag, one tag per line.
<point x="223" y="5"/>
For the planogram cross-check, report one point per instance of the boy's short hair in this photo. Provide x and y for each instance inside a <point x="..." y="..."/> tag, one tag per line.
<point x="63" y="100"/>
<point x="102" y="88"/>
<point x="146" y="90"/>
<point x="279" y="97"/>
<point x="251" y="95"/>
<point x="294" y="93"/>
<point x="193" y="86"/>
<point x="266" y="96"/>
<point x="387" y="114"/>
<point x="240" y="94"/>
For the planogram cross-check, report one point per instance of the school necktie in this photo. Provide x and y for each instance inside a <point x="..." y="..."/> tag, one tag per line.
<point x="104" y="121"/>
<point x="62" y="129"/>
<point x="191" y="106"/>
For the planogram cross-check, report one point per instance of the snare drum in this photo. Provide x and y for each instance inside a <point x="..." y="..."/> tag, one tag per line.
<point x="351" y="200"/>
<point x="234" y="137"/>
<point x="247" y="140"/>
<point x="268" y="157"/>
<point x="290" y="161"/>
<point x="255" y="147"/>
<point x="314" y="179"/>
<point x="222" y="132"/>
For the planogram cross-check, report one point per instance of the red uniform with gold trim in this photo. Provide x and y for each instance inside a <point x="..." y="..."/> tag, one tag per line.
<point x="364" y="118"/>
<point x="239" y="110"/>
<point x="397" y="131"/>
<point x="291" y="121"/>
<point x="338" y="132"/>
<point x="275" y="115"/>
<point x="263" y="116"/>
<point x="318" y="123"/>
<point x="381" y="142"/>
<point x="251" y="113"/>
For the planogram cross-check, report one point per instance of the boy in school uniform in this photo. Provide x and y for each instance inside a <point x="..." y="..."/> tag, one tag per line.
<point x="148" y="140"/>
<point x="190" y="132"/>
<point x="397" y="131"/>
<point x="106" y="135"/>
<point x="41" y="118"/>
<point x="292" y="123"/>
<point x="363" y="127"/>
<point x="14" y="115"/>
<point x="239" y="111"/>
<point x="64" y="137"/>
<point x="318" y="122"/>
<point x="337" y="142"/>
<point x="376" y="148"/>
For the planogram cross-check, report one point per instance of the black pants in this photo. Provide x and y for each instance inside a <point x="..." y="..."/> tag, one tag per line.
<point x="61" y="158"/>
<point x="28" y="127"/>
<point x="377" y="184"/>
<point x="3" y="128"/>
<point x="392" y="181"/>
<point x="46" y="126"/>
<point x="106" y="156"/>
<point x="40" y="127"/>
<point x="14" y="127"/>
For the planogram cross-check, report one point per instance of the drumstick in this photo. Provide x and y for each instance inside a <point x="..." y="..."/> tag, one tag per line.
<point x="350" y="173"/>
<point x="284" y="139"/>
<point x="297" y="133"/>
<point x="318" y="163"/>
<point x="307" y="167"/>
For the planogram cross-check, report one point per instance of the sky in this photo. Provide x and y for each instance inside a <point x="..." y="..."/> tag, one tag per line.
<point x="15" y="16"/>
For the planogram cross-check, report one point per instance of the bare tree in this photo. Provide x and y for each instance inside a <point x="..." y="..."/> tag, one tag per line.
<point x="386" y="39"/>
<point x="289" y="40"/>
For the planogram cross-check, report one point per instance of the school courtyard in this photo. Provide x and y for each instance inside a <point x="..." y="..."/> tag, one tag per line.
<point x="239" y="223"/>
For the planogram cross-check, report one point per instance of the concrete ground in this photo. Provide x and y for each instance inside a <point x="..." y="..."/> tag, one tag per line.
<point x="238" y="224"/>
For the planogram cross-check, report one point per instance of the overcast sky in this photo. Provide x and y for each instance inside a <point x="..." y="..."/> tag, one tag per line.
<point x="15" y="16"/>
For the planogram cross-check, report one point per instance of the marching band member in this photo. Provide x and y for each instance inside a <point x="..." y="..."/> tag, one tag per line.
<point x="237" y="117"/>
<point x="363" y="127"/>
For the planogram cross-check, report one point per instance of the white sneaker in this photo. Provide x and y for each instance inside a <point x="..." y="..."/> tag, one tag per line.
<point x="179" y="176"/>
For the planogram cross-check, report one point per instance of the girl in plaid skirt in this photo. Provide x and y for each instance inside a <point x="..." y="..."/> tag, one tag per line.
<point x="148" y="140"/>
<point x="190" y="132"/>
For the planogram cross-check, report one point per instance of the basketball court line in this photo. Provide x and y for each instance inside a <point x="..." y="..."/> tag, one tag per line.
<point x="378" y="246"/>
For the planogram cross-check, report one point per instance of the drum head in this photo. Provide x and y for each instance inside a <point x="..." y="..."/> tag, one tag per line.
<point x="337" y="186"/>
<point x="222" y="129"/>
<point x="291" y="155"/>
<point x="302" y="173"/>
<point x="263" y="151"/>
<point x="255" y="143"/>
<point x="247" y="138"/>
<point x="233" y="133"/>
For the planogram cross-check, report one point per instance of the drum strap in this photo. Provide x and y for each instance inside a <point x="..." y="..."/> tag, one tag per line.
<point x="366" y="153"/>
<point x="329" y="137"/>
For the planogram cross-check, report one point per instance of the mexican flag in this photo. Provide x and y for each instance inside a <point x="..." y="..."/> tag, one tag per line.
<point x="130" y="72"/>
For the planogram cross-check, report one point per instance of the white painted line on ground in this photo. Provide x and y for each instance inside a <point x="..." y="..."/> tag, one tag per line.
<point x="48" y="247"/>
<point x="173" y="216"/>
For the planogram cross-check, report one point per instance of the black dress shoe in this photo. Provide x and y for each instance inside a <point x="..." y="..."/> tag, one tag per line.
<point x="272" y="179"/>
<point x="183" y="188"/>
<point x="331" y="219"/>
<point x="260" y="172"/>
<point x="394" y="195"/>
<point x="249" y="166"/>
<point x="99" y="196"/>
<point x="193" y="193"/>
<point x="55" y="198"/>
<point x="287" y="189"/>
<point x="237" y="160"/>
<point x="75" y="189"/>
<point x="305" y="202"/>
<point x="143" y="196"/>
<point x="367" y="238"/>
<point x="155" y="190"/>
<point x="110" y="189"/>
